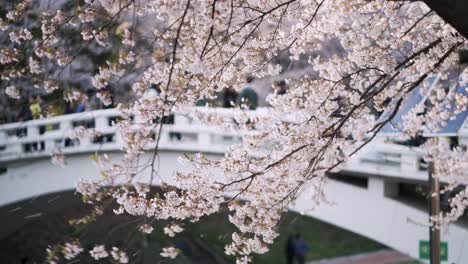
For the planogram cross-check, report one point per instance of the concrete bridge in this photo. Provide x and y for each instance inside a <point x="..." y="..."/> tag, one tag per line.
<point x="371" y="195"/>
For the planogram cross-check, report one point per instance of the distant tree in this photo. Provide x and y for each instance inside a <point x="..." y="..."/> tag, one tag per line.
<point x="58" y="64"/>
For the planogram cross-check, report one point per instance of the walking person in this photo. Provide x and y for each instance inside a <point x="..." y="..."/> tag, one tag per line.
<point x="81" y="107"/>
<point x="300" y="248"/>
<point x="248" y="97"/>
<point x="290" y="250"/>
<point x="35" y="106"/>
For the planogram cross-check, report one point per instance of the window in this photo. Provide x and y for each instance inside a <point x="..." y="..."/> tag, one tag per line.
<point x="350" y="179"/>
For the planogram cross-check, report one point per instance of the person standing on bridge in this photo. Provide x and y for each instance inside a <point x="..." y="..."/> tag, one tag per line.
<point x="35" y="107"/>
<point x="248" y="97"/>
<point x="300" y="248"/>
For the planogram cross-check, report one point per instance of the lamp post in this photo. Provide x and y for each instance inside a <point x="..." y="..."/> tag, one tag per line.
<point x="453" y="127"/>
<point x="434" y="210"/>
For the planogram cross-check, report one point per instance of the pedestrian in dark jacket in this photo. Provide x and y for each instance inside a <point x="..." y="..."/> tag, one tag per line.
<point x="290" y="250"/>
<point x="300" y="248"/>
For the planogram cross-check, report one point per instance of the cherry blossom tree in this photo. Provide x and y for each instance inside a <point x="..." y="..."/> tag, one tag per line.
<point x="199" y="47"/>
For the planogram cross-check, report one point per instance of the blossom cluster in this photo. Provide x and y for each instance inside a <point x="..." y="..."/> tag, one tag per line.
<point x="68" y="251"/>
<point x="170" y="252"/>
<point x="99" y="252"/>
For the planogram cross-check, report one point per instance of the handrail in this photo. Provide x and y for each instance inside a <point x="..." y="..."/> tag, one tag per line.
<point x="32" y="139"/>
<point x="37" y="138"/>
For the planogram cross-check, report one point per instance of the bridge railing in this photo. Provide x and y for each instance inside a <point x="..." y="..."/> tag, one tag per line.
<point x="37" y="138"/>
<point x="383" y="157"/>
<point x="41" y="137"/>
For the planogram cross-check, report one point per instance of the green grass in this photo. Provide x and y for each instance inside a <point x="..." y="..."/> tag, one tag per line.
<point x="214" y="232"/>
<point x="324" y="240"/>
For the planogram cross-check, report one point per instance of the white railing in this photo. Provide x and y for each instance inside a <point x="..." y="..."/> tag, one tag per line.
<point x="40" y="138"/>
<point x="383" y="157"/>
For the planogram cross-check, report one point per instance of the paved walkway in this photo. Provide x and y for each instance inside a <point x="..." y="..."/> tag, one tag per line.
<point x="378" y="257"/>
